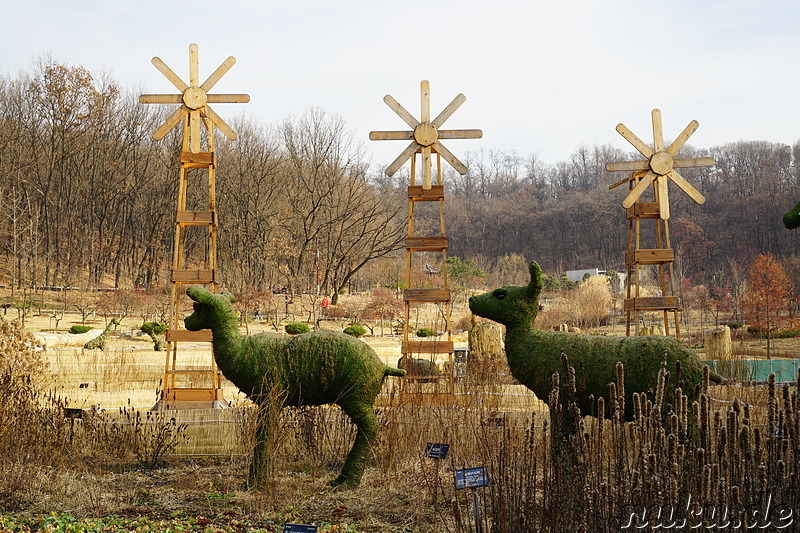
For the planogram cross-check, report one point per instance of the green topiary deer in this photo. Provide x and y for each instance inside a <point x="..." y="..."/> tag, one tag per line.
<point x="99" y="342"/>
<point x="535" y="355"/>
<point x="315" y="368"/>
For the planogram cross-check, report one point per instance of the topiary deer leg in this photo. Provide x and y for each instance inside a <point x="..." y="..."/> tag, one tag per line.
<point x="261" y="467"/>
<point x="363" y="417"/>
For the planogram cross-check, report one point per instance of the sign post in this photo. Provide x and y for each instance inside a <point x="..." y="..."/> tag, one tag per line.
<point x="299" y="528"/>
<point x="437" y="452"/>
<point x="472" y="478"/>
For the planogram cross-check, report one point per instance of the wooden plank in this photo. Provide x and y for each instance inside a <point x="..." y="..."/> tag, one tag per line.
<point x="197" y="159"/>
<point x="184" y="335"/>
<point x="686" y="187"/>
<point x="186" y="275"/>
<point x="224" y="67"/>
<point x="656" y="303"/>
<point x="448" y="156"/>
<point x="401" y="111"/>
<point x="461" y="134"/>
<point x="627" y="165"/>
<point x="426" y="244"/>
<point x="637" y="191"/>
<point x="391" y="135"/>
<point x="426" y="295"/>
<point x="418" y="194"/>
<point x="196" y="218"/>
<point x="448" y="111"/>
<point x="219" y="123"/>
<point x="402" y="158"/>
<point x="228" y="98"/>
<point x="170" y="123"/>
<point x="160" y="98"/>
<point x="180" y="394"/>
<point x="658" y="132"/>
<point x="678" y="143"/>
<point x="428" y="347"/>
<point x="634" y="140"/>
<point x="651" y="256"/>
<point x="643" y="210"/>
<point x="169" y="74"/>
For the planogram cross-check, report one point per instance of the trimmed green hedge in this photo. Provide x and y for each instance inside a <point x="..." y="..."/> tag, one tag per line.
<point x="355" y="331"/>
<point x="77" y="329"/>
<point x="296" y="328"/>
<point x="426" y="332"/>
<point x="154" y="328"/>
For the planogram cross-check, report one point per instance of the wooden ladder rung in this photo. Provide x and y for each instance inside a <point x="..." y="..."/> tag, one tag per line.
<point x="423" y="346"/>
<point x="417" y="194"/>
<point x="426" y="295"/>
<point x="426" y="244"/>
<point x="187" y="275"/>
<point x="184" y="335"/>
<point x="654" y="303"/>
<point x="196" y="218"/>
<point x="198" y="159"/>
<point x="644" y="210"/>
<point x="652" y="256"/>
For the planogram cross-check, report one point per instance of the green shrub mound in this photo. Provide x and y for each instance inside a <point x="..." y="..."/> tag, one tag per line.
<point x="426" y="332"/>
<point x="156" y="328"/>
<point x="296" y="328"/>
<point x="355" y="331"/>
<point x="77" y="329"/>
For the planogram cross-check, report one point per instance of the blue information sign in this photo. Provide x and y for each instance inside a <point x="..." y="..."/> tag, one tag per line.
<point x="436" y="450"/>
<point x="470" y="478"/>
<point x="299" y="528"/>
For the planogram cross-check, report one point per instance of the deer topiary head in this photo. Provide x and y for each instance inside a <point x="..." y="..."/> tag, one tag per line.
<point x="210" y="310"/>
<point x="513" y="306"/>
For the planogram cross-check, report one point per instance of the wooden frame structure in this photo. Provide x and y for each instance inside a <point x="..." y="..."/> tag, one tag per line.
<point x="424" y="137"/>
<point x="657" y="169"/>
<point x="198" y="388"/>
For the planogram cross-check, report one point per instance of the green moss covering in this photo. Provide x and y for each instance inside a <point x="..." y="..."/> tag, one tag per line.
<point x="791" y="219"/>
<point x="534" y="355"/>
<point x="100" y="342"/>
<point x="315" y="368"/>
<point x="154" y="329"/>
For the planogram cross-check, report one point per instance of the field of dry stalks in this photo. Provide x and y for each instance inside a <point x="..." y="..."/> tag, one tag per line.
<point x="726" y="461"/>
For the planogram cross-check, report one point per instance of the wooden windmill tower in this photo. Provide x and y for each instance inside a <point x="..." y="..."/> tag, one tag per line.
<point x="659" y="167"/>
<point x="425" y="136"/>
<point x="192" y="387"/>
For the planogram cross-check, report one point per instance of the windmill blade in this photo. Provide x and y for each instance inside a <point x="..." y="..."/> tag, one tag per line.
<point x="663" y="197"/>
<point x="402" y="158"/>
<point x="637" y="191"/>
<point x="194" y="130"/>
<point x="160" y="98"/>
<point x="634" y="140"/>
<point x="628" y="165"/>
<point x="460" y="134"/>
<point x="169" y="74"/>
<point x="695" y="162"/>
<point x="227" y="98"/>
<point x="426" y="167"/>
<point x="391" y="135"/>
<point x="448" y="111"/>
<point x="395" y="106"/>
<point x="425" y="101"/>
<point x="448" y="156"/>
<point x="170" y="123"/>
<point x="658" y="132"/>
<point x="678" y="143"/>
<point x="686" y="187"/>
<point x="194" y="66"/>
<point x="219" y="123"/>
<point x="217" y="74"/>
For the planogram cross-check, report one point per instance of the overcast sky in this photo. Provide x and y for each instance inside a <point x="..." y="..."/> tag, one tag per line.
<point x="539" y="77"/>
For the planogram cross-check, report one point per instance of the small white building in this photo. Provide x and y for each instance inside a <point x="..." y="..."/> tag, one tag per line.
<point x="578" y="275"/>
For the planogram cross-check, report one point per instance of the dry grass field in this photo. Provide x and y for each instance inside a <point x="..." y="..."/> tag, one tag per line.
<point x="188" y="469"/>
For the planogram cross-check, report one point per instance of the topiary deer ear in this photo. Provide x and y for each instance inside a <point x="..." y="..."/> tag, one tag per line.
<point x="199" y="294"/>
<point x="535" y="286"/>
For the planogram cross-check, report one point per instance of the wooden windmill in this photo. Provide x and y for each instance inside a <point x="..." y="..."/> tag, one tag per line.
<point x="657" y="169"/>
<point x="188" y="387"/>
<point x="425" y="136"/>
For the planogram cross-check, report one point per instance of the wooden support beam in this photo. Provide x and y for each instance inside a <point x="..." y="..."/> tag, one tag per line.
<point x="428" y="347"/>
<point x="426" y="244"/>
<point x="417" y="194"/>
<point x="184" y="335"/>
<point x="426" y="295"/>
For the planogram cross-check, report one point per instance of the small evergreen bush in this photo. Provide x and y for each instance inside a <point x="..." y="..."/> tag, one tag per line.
<point x="77" y="329"/>
<point x="355" y="331"/>
<point x="154" y="328"/>
<point x="426" y="332"/>
<point x="296" y="328"/>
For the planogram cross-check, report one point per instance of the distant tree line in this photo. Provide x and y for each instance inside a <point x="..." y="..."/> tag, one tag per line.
<point x="86" y="197"/>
